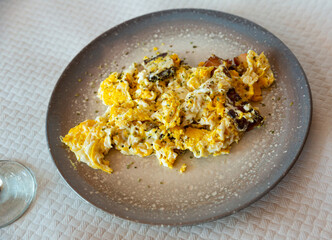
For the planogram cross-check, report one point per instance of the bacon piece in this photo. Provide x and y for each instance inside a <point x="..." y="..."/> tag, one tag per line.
<point x="242" y="58"/>
<point x="213" y="61"/>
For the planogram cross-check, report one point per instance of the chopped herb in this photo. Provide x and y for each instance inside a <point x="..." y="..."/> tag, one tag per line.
<point x="77" y="94"/>
<point x="272" y="131"/>
<point x="140" y="179"/>
<point x="170" y="45"/>
<point x="191" y="42"/>
<point x="96" y="111"/>
<point x="129" y="165"/>
<point x="291" y="104"/>
<point x="263" y="104"/>
<point x="194" y="46"/>
<point x="278" y="98"/>
<point x="161" y="182"/>
<point x="123" y="67"/>
<point x="191" y="157"/>
<point x="79" y="80"/>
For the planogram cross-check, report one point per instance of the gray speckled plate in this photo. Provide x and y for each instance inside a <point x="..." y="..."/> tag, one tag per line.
<point x="212" y="187"/>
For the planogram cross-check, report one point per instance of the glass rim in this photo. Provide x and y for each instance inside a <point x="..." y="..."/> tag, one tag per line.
<point x="31" y="199"/>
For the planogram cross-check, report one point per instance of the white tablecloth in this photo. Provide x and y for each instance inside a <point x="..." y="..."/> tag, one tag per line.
<point x="39" y="38"/>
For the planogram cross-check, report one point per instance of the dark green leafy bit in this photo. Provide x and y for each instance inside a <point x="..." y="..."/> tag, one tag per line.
<point x="154" y="58"/>
<point x="162" y="75"/>
<point x="242" y="124"/>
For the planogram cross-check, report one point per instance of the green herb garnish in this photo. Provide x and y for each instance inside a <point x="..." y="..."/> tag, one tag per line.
<point x="129" y="165"/>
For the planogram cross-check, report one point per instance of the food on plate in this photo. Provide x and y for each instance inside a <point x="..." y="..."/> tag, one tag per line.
<point x="163" y="107"/>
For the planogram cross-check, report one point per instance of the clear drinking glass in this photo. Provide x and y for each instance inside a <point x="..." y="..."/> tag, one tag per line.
<point x="17" y="190"/>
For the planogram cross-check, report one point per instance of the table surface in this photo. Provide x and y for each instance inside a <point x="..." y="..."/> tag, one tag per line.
<point x="37" y="41"/>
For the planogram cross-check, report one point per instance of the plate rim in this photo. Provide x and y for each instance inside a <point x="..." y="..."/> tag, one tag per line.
<point x="218" y="14"/>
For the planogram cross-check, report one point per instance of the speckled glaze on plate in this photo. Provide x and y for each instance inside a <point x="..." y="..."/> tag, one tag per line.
<point x="140" y="189"/>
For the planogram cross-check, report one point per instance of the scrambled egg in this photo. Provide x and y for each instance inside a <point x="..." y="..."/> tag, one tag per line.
<point x="164" y="106"/>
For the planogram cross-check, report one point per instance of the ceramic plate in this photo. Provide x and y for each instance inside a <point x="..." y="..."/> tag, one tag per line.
<point x="140" y="189"/>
